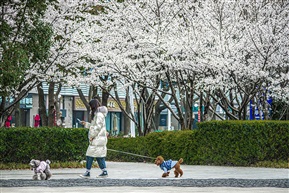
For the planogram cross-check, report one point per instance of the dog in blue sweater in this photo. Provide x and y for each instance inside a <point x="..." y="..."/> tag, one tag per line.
<point x="166" y="166"/>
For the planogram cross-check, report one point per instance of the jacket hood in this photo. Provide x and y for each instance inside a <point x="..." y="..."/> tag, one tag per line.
<point x="103" y="110"/>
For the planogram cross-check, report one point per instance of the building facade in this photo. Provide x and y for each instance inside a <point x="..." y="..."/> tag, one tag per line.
<point x="72" y="109"/>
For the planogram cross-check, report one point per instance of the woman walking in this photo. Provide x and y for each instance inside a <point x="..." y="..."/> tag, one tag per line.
<point x="97" y="138"/>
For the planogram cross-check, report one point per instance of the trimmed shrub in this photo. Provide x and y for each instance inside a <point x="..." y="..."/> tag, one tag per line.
<point x="124" y="148"/>
<point x="238" y="143"/>
<point x="242" y="142"/>
<point x="61" y="144"/>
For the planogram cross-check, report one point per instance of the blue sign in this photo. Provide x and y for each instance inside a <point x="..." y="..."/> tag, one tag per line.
<point x="256" y="114"/>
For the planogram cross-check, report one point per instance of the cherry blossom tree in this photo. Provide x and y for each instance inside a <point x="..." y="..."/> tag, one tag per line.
<point x="71" y="55"/>
<point x="25" y="40"/>
<point x="142" y="42"/>
<point x="68" y="50"/>
<point x="173" y="54"/>
<point x="245" y="53"/>
<point x="225" y="51"/>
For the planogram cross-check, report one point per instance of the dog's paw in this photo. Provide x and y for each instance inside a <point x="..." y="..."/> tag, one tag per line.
<point x="35" y="177"/>
<point x="165" y="175"/>
<point x="42" y="176"/>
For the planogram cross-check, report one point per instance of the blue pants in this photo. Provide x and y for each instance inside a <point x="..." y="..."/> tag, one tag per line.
<point x="100" y="161"/>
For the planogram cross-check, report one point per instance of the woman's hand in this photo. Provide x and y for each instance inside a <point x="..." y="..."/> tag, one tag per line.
<point x="82" y="123"/>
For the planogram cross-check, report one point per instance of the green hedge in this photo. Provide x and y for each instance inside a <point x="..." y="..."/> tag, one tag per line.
<point x="239" y="143"/>
<point x="242" y="142"/>
<point x="61" y="144"/>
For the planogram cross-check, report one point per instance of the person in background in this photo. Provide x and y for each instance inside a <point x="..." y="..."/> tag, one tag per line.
<point x="36" y="120"/>
<point x="97" y="138"/>
<point x="8" y="121"/>
<point x="115" y="129"/>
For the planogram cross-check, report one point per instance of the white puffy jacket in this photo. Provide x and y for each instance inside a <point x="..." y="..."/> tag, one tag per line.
<point x="97" y="136"/>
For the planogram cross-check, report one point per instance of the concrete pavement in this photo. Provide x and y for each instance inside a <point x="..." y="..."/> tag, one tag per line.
<point x="145" y="171"/>
<point x="142" y="190"/>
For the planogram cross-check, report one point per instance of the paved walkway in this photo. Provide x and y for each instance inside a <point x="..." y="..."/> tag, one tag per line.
<point x="145" y="172"/>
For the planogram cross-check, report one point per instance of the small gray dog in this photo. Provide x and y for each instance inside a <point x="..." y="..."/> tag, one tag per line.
<point x="42" y="168"/>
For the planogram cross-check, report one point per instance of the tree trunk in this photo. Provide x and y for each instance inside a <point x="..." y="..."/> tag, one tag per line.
<point x="105" y="96"/>
<point x="201" y="107"/>
<point x="42" y="106"/>
<point x="139" y="117"/>
<point x="18" y="122"/>
<point x="126" y="118"/>
<point x="2" y="110"/>
<point x="157" y="117"/>
<point x="51" y="108"/>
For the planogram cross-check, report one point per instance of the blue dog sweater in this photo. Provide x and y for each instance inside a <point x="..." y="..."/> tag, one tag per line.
<point x="168" y="165"/>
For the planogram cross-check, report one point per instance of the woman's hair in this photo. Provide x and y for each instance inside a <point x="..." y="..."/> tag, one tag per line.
<point x="94" y="104"/>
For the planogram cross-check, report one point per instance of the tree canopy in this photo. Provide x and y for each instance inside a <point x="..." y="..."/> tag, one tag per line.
<point x="180" y="53"/>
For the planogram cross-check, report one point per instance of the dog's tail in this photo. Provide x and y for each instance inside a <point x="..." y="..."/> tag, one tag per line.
<point x="48" y="161"/>
<point x="180" y="160"/>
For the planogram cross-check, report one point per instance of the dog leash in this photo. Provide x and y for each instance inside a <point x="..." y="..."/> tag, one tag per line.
<point x="130" y="153"/>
